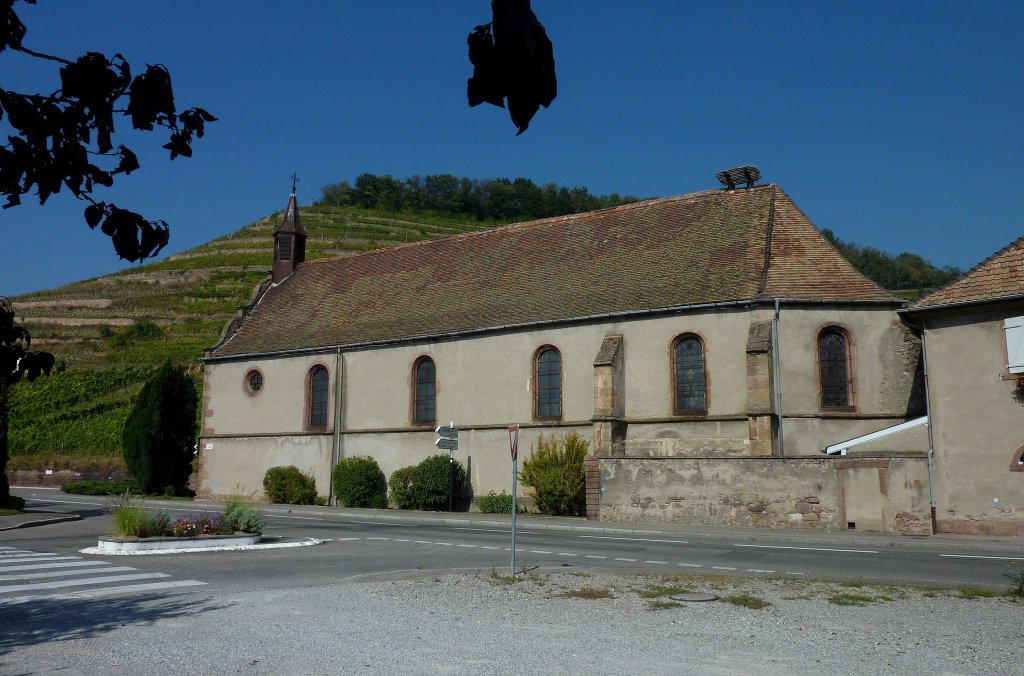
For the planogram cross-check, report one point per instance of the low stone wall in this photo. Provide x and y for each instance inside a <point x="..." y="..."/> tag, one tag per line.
<point x="882" y="494"/>
<point x="56" y="477"/>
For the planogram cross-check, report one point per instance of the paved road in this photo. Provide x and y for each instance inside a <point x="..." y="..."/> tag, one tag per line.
<point x="359" y="544"/>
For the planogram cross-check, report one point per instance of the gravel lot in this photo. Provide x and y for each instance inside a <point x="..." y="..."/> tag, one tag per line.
<point x="484" y="623"/>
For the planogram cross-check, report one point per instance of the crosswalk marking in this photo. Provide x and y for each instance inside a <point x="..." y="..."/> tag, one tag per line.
<point x="27" y="571"/>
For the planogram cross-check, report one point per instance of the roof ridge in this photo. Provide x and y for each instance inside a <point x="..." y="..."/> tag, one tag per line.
<point x="919" y="302"/>
<point x="768" y="243"/>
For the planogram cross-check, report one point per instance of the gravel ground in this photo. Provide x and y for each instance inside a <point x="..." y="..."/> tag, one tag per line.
<point x="484" y="623"/>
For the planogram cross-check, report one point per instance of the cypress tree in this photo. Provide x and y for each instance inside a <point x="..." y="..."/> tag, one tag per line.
<point x="160" y="431"/>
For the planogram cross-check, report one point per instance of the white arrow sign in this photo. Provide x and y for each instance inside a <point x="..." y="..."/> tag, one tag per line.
<point x="447" y="432"/>
<point x="447" y="444"/>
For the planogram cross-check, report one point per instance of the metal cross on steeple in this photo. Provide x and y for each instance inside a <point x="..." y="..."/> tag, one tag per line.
<point x="295" y="179"/>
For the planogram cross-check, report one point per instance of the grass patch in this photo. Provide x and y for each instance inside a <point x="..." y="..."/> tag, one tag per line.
<point x="746" y="601"/>
<point x="9" y="512"/>
<point x="500" y="579"/>
<point x="850" y="600"/>
<point x="1017" y="590"/>
<point x="588" y="593"/>
<point x="658" y="591"/>
<point x="853" y="584"/>
<point x="101" y="487"/>
<point x="663" y="605"/>
<point x="979" y="593"/>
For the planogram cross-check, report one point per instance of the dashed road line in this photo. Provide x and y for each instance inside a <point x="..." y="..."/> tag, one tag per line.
<point x="992" y="558"/>
<point x="722" y="568"/>
<point x="811" y="549"/>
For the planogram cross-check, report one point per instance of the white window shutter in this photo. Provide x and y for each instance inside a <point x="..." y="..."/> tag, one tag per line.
<point x="1014" y="327"/>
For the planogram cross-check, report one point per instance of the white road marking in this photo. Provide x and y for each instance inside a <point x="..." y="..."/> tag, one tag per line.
<point x="691" y="565"/>
<point x="722" y="568"/>
<point x="488" y="547"/>
<point x="96" y="593"/>
<point x="539" y="551"/>
<point x="470" y="546"/>
<point x="622" y="559"/>
<point x="811" y="549"/>
<point x="377" y="538"/>
<point x="993" y="558"/>
<point x="759" y="570"/>
<point x="610" y="537"/>
<point x="4" y="589"/>
<point x="36" y="566"/>
<point x="790" y="572"/>
<point x="566" y="554"/>
<point x="594" y="556"/>
<point x="657" y="562"/>
<point x="65" y="573"/>
<point x="45" y="558"/>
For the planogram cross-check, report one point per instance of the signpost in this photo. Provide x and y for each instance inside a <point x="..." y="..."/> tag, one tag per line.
<point x="513" y="444"/>
<point x="448" y="438"/>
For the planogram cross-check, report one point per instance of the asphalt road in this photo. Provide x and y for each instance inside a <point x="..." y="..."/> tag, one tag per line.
<point x="358" y="546"/>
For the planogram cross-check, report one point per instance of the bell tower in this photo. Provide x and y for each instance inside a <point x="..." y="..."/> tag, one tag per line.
<point x="289" y="241"/>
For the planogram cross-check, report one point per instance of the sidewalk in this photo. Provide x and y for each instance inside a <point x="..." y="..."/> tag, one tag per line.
<point x="35" y="517"/>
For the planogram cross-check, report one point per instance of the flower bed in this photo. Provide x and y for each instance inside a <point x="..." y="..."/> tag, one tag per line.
<point x="121" y="544"/>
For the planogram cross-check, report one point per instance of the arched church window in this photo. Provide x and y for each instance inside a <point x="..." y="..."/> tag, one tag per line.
<point x="318" y="396"/>
<point x="425" y="391"/>
<point x="689" y="375"/>
<point x="549" y="383"/>
<point x="834" y="368"/>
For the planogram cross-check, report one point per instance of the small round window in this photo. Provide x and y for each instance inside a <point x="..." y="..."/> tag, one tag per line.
<point x="254" y="381"/>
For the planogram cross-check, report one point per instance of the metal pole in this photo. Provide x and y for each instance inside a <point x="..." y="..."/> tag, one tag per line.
<point x="515" y="467"/>
<point x="451" y="476"/>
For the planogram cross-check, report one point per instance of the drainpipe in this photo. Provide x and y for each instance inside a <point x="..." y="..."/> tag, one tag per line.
<point x="931" y="423"/>
<point x="776" y="366"/>
<point x="339" y="417"/>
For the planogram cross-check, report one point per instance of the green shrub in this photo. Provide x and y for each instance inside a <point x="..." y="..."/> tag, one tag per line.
<point x="430" y="483"/>
<point x="400" y="487"/>
<point x="245" y="519"/>
<point x="494" y="503"/>
<point x="555" y="472"/>
<point x="359" y="482"/>
<point x="102" y="487"/>
<point x="161" y="430"/>
<point x="128" y="514"/>
<point x="289" y="485"/>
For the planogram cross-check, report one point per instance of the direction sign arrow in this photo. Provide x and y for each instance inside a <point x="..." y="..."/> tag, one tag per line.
<point x="447" y="444"/>
<point x="447" y="432"/>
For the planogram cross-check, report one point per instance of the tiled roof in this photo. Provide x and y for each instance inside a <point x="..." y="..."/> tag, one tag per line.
<point x="701" y="248"/>
<point x="998" y="276"/>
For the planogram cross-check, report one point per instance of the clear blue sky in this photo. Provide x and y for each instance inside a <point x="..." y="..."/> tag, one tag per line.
<point x="897" y="125"/>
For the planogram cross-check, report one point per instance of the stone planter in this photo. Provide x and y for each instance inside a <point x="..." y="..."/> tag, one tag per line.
<point x="116" y="545"/>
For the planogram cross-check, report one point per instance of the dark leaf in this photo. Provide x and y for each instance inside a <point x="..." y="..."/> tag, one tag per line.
<point x="94" y="214"/>
<point x="205" y="115"/>
<point x="128" y="163"/>
<point x="517" y="63"/>
<point x="150" y="96"/>
<point x="12" y="30"/>
<point x="34" y="364"/>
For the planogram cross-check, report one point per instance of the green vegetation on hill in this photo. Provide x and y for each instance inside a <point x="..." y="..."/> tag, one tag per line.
<point x="906" y="273"/>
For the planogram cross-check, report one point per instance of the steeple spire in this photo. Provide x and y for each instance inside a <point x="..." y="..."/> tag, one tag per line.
<point x="289" y="240"/>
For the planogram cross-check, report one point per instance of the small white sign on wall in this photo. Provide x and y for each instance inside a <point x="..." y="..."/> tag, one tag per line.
<point x="209" y="446"/>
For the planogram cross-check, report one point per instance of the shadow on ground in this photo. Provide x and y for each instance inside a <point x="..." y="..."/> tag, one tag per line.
<point x="54" y="620"/>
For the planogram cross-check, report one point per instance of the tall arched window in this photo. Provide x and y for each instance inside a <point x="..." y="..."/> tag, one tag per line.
<point x="425" y="392"/>
<point x="318" y="396"/>
<point x="689" y="375"/>
<point x="549" y="383"/>
<point x="834" y="368"/>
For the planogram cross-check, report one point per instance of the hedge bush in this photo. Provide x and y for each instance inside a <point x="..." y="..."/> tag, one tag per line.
<point x="400" y="488"/>
<point x="555" y="472"/>
<point x="495" y="503"/>
<point x="102" y="487"/>
<point x="359" y="482"/>
<point x="289" y="485"/>
<point x="425" y="486"/>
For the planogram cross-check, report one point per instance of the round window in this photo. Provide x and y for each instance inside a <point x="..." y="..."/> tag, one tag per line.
<point x="254" y="381"/>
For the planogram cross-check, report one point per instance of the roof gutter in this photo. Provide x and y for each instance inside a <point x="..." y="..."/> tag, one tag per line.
<point x="961" y="304"/>
<point x="625" y="314"/>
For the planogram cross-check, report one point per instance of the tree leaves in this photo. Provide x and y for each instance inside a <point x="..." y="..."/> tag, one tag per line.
<point x="56" y="136"/>
<point x="15" y="358"/>
<point x="512" y="59"/>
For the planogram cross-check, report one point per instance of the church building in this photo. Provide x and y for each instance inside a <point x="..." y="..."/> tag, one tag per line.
<point x="709" y="346"/>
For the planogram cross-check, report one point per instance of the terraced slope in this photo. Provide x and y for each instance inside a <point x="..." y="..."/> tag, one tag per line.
<point x="109" y="332"/>
<point x="192" y="295"/>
